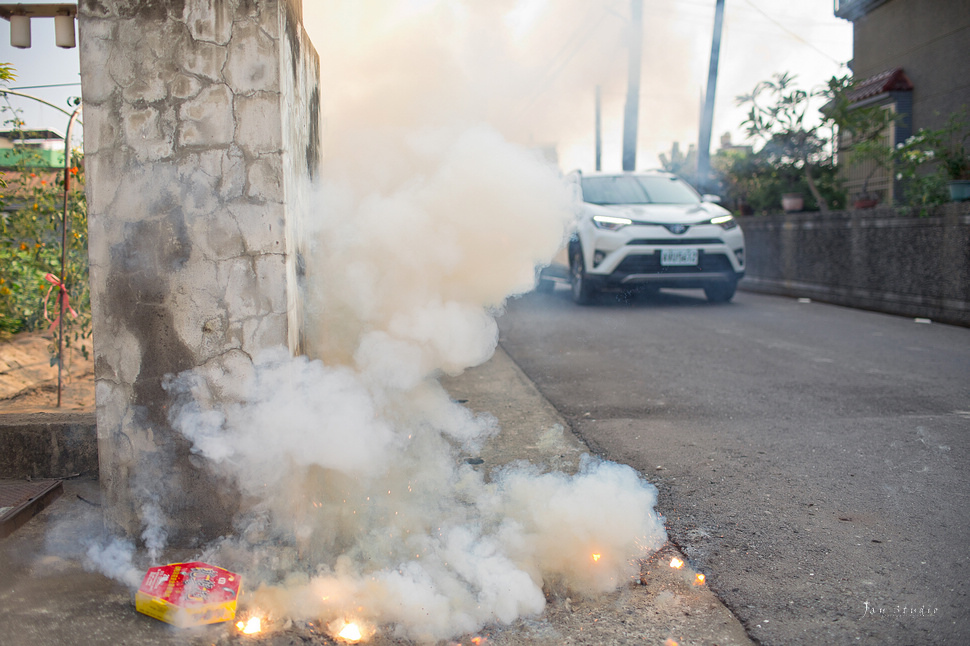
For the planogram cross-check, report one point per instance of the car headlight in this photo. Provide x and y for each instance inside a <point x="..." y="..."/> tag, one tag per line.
<point x="726" y="222"/>
<point x="610" y="222"/>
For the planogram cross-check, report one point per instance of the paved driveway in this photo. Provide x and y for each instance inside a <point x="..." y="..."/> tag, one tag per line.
<point x="812" y="459"/>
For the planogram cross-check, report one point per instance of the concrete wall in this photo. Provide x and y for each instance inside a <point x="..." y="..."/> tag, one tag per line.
<point x="873" y="259"/>
<point x="201" y="127"/>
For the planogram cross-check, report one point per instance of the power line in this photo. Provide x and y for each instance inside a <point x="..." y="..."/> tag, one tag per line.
<point x="560" y="61"/>
<point x="793" y="34"/>
<point x="36" y="87"/>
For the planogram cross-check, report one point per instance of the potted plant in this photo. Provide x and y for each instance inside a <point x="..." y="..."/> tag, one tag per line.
<point x="865" y="199"/>
<point x="881" y="157"/>
<point x="951" y="150"/>
<point x="959" y="190"/>
<point x="792" y="202"/>
<point x="792" y="185"/>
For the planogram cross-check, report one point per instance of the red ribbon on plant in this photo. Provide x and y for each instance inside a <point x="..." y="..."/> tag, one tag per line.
<point x="64" y="299"/>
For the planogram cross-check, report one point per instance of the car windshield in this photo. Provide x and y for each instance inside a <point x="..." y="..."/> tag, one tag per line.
<point x="637" y="189"/>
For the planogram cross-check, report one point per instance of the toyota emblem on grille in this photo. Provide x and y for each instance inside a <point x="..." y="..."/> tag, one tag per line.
<point x="676" y="229"/>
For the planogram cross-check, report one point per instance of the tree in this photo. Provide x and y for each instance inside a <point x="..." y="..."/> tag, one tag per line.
<point x="861" y="130"/>
<point x="777" y="117"/>
<point x="680" y="164"/>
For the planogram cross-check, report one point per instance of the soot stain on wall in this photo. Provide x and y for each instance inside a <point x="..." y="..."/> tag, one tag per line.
<point x="293" y="28"/>
<point x="141" y="266"/>
<point x="313" y="137"/>
<point x="148" y="9"/>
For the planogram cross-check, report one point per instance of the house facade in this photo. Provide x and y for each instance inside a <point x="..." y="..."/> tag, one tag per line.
<point x="910" y="57"/>
<point x="42" y="149"/>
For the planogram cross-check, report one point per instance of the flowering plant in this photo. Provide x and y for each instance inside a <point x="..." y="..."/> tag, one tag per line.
<point x="928" y="160"/>
<point x="946" y="146"/>
<point x="921" y="189"/>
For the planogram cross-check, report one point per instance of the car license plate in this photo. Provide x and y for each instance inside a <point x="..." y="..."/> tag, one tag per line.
<point x="678" y="257"/>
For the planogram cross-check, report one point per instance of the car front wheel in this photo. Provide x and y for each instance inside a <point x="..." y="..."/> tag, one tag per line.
<point x="721" y="292"/>
<point x="582" y="290"/>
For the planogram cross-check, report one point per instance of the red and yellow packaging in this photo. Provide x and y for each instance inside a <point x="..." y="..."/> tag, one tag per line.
<point x="189" y="594"/>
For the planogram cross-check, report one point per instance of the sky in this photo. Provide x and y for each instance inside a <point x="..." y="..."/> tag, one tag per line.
<point x="42" y="64"/>
<point x="530" y="67"/>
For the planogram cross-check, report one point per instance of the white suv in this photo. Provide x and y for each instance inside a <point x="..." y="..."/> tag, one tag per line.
<point x="648" y="230"/>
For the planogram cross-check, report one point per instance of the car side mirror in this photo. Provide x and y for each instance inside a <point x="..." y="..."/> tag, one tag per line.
<point x="710" y="197"/>
<point x="575" y="192"/>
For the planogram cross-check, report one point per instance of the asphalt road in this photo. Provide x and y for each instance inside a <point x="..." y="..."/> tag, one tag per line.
<point x="811" y="459"/>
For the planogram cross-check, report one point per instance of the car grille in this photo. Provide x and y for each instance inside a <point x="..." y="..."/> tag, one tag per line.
<point x="650" y="264"/>
<point x="674" y="241"/>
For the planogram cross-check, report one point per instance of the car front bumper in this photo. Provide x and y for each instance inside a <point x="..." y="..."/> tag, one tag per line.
<point x="633" y="256"/>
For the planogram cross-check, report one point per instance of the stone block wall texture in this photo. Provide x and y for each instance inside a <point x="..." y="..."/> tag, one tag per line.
<point x="201" y="139"/>
<point x="874" y="259"/>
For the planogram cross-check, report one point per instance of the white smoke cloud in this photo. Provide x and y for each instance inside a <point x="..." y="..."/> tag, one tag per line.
<point x="474" y="553"/>
<point x="154" y="534"/>
<point x="318" y="415"/>
<point x="114" y="558"/>
<point x="78" y="535"/>
<point x="357" y="502"/>
<point x="455" y="220"/>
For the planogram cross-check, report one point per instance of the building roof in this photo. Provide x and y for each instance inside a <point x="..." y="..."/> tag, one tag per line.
<point x="855" y="9"/>
<point x="894" y="80"/>
<point x="22" y="135"/>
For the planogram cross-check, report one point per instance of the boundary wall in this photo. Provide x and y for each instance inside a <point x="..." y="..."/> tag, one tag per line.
<point x="876" y="259"/>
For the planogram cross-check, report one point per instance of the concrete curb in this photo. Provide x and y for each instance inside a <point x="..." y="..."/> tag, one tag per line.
<point x="48" y="445"/>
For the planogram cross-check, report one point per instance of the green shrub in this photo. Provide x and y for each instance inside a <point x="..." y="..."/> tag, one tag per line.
<point x="32" y="210"/>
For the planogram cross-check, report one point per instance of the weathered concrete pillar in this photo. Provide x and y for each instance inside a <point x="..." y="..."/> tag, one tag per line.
<point x="201" y="122"/>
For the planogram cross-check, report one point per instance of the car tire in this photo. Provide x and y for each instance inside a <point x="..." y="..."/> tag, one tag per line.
<point x="581" y="289"/>
<point x="721" y="292"/>
<point x="545" y="286"/>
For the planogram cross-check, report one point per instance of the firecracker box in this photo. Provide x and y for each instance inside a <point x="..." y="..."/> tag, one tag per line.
<point x="188" y="594"/>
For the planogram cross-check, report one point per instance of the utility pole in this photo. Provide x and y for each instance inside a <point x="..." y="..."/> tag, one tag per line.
<point x="599" y="129"/>
<point x="632" y="109"/>
<point x="707" y="117"/>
